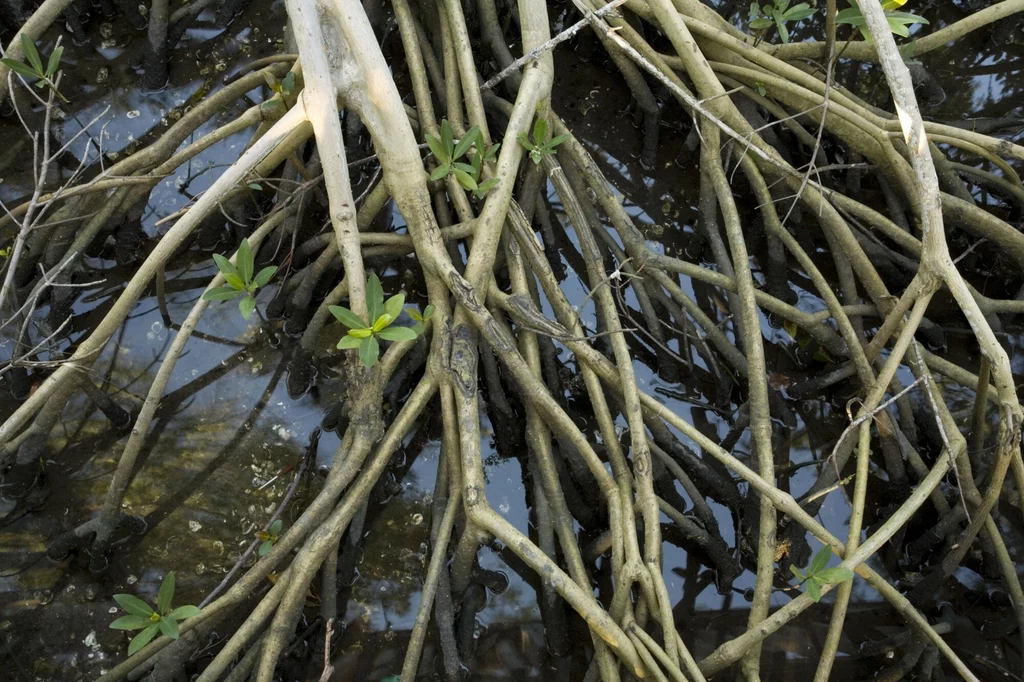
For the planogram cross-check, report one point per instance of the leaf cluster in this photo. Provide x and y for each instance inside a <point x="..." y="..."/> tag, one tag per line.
<point x="282" y="87"/>
<point x="141" y="616"/>
<point x="818" y="574"/>
<point x="34" y="67"/>
<point x="778" y="14"/>
<point x="899" y="22"/>
<point x="240" y="279"/>
<point x="269" y="537"/>
<point x="366" y="336"/>
<point x="448" y="152"/>
<point x="540" y="147"/>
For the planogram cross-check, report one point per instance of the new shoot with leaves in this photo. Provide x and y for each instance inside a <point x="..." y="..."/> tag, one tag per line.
<point x="818" y="574"/>
<point x="448" y="153"/>
<point x="778" y="15"/>
<point x="269" y="537"/>
<point x="240" y="279"/>
<point x="899" y="22"/>
<point x="141" y="616"/>
<point x="540" y="147"/>
<point x="34" y="67"/>
<point x="281" y="87"/>
<point x="365" y="336"/>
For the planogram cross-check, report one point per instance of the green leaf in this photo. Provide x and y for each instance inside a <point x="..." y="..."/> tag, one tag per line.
<point x="166" y="594"/>
<point x="54" y="63"/>
<point x="184" y="612"/>
<point x="275" y="527"/>
<point x="244" y="261"/>
<point x="414" y="314"/>
<point x="471" y="136"/>
<point x="540" y="130"/>
<point x="364" y="333"/>
<point x="484" y="187"/>
<point x="798" y="12"/>
<point x="525" y="142"/>
<point x="905" y="17"/>
<point x="169" y="627"/>
<point x="783" y="31"/>
<point x="492" y="152"/>
<point x="246" y="306"/>
<point x="440" y="172"/>
<point x="265" y="548"/>
<point x="255" y="186"/>
<point x="221" y="294"/>
<point x="797" y="572"/>
<point x="898" y="29"/>
<point x="834" y="576"/>
<point x="133" y="605"/>
<point x="143" y="638"/>
<point x="465" y="179"/>
<point x="851" y="16"/>
<point x="348" y="341"/>
<point x="557" y="140"/>
<point x="820" y="560"/>
<point x="19" y="67"/>
<point x="369" y="350"/>
<point x="32" y="54"/>
<point x="394" y="305"/>
<point x="448" y="140"/>
<point x="397" y="334"/>
<point x="438" y="150"/>
<point x="374" y="297"/>
<point x="755" y="10"/>
<point x="761" y="23"/>
<point x="537" y="155"/>
<point x="380" y="323"/>
<point x="131" y="623"/>
<point x="288" y="83"/>
<point x="225" y="266"/>
<point x="347" y="317"/>
<point x="813" y="589"/>
<point x="234" y="281"/>
<point x="466" y="168"/>
<point x="264" y="276"/>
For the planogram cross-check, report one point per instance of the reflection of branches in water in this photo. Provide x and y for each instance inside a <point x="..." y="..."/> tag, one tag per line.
<point x="234" y="447"/>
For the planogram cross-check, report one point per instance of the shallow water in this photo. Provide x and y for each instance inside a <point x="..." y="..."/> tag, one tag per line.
<point x="217" y="461"/>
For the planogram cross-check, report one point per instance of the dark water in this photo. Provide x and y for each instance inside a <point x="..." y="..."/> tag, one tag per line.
<point x="227" y="426"/>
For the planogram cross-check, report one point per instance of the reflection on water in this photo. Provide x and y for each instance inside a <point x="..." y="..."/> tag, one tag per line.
<point x="220" y="453"/>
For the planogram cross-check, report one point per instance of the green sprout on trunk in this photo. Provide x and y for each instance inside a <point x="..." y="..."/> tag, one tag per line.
<point x="34" y="67"/>
<point x="448" y="153"/>
<point x="539" y="148"/>
<point x="818" y="574"/>
<point x="281" y="87"/>
<point x="366" y="336"/>
<point x="240" y="279"/>
<point x="141" y="616"/>
<point x="779" y="15"/>
<point x="269" y="537"/>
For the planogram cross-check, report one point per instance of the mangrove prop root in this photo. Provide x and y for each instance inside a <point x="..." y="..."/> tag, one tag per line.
<point x="617" y="478"/>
